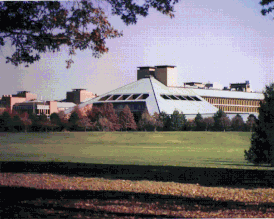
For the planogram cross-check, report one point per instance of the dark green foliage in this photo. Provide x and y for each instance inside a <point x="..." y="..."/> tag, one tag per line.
<point x="199" y="123"/>
<point x="17" y="123"/>
<point x="35" y="27"/>
<point x="56" y="122"/>
<point x="5" y="122"/>
<point x="221" y="121"/>
<point x="237" y="123"/>
<point x="251" y="123"/>
<point x="165" y="118"/>
<point x="73" y="120"/>
<point x="34" y="122"/>
<point x="177" y="121"/>
<point x="262" y="140"/>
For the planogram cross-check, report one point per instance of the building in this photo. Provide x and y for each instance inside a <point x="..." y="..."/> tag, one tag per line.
<point x="9" y="100"/>
<point x="36" y="107"/>
<point x="24" y="101"/>
<point x="157" y="90"/>
<point x="78" y="96"/>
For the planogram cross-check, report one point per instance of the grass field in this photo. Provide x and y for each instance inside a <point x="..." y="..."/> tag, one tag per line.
<point x="48" y="195"/>
<point x="191" y="149"/>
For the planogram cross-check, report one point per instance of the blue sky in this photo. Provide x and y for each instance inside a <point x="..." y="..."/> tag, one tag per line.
<point x="208" y="41"/>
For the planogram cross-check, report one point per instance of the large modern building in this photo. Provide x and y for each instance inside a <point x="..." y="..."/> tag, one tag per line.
<point x="157" y="90"/>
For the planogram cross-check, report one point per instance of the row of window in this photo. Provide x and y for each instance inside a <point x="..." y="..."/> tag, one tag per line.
<point x="216" y="100"/>
<point x="37" y="111"/>
<point x="122" y="97"/>
<point x="179" y="97"/>
<point x="238" y="109"/>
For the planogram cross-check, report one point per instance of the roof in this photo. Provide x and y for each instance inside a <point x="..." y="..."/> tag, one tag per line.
<point x="154" y="93"/>
<point x="228" y="94"/>
<point x="65" y="104"/>
<point x="159" y="97"/>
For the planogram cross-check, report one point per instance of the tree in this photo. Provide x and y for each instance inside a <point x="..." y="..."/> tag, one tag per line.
<point x="191" y="125"/>
<point x="25" y="118"/>
<point x="104" y="124"/>
<point x="55" y="121"/>
<point x="269" y="9"/>
<point x="221" y="121"/>
<point x="251" y="123"/>
<point x="177" y="121"/>
<point x="6" y="122"/>
<point x="209" y="123"/>
<point x="34" y="121"/>
<point x="156" y="121"/>
<point x="73" y="120"/>
<point x="45" y="26"/>
<point x="105" y="111"/>
<point x="126" y="119"/>
<point x="225" y="123"/>
<point x="261" y="150"/>
<point x="199" y="123"/>
<point x="84" y="122"/>
<point x="237" y="123"/>
<point x="165" y="118"/>
<point x="145" y="121"/>
<point x="108" y="112"/>
<point x="64" y="120"/>
<point x="17" y="123"/>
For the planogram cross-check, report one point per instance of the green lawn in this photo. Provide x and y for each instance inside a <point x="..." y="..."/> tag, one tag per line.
<point x="194" y="149"/>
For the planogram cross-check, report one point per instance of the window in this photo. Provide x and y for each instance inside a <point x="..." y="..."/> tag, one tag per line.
<point x="180" y="97"/>
<point x="143" y="97"/>
<point x="114" y="97"/>
<point x="188" y="97"/>
<point x="104" y="98"/>
<point x="165" y="97"/>
<point x="195" y="98"/>
<point x="172" y="97"/>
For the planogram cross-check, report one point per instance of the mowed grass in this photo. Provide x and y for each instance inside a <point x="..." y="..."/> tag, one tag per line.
<point x="191" y="149"/>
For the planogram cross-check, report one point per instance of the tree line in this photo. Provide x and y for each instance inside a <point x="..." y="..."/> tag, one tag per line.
<point x="104" y="118"/>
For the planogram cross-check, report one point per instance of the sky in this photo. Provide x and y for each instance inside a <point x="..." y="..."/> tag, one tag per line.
<point x="208" y="40"/>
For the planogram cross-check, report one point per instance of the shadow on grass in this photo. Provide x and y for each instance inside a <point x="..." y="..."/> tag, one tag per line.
<point x="35" y="202"/>
<point x="204" y="176"/>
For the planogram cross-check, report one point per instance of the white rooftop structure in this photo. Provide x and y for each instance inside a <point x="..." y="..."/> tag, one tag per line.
<point x="157" y="90"/>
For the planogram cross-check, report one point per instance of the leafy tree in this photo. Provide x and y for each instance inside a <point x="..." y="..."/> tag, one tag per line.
<point x="199" y="123"/>
<point x="156" y="121"/>
<point x="237" y="123"/>
<point x="225" y="123"/>
<point x="165" y="118"/>
<point x="145" y="121"/>
<point x="64" y="120"/>
<point x="191" y="125"/>
<point x="84" y="122"/>
<point x="261" y="150"/>
<point x="221" y="121"/>
<point x="73" y="120"/>
<point x="251" y="123"/>
<point x="105" y="111"/>
<point x="34" y="121"/>
<point x="55" y="121"/>
<point x="209" y="123"/>
<point x="6" y="122"/>
<point x="27" y="122"/>
<point x="17" y="123"/>
<point x="109" y="113"/>
<point x="126" y="119"/>
<point x="104" y="124"/>
<point x="45" y="26"/>
<point x="177" y="121"/>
